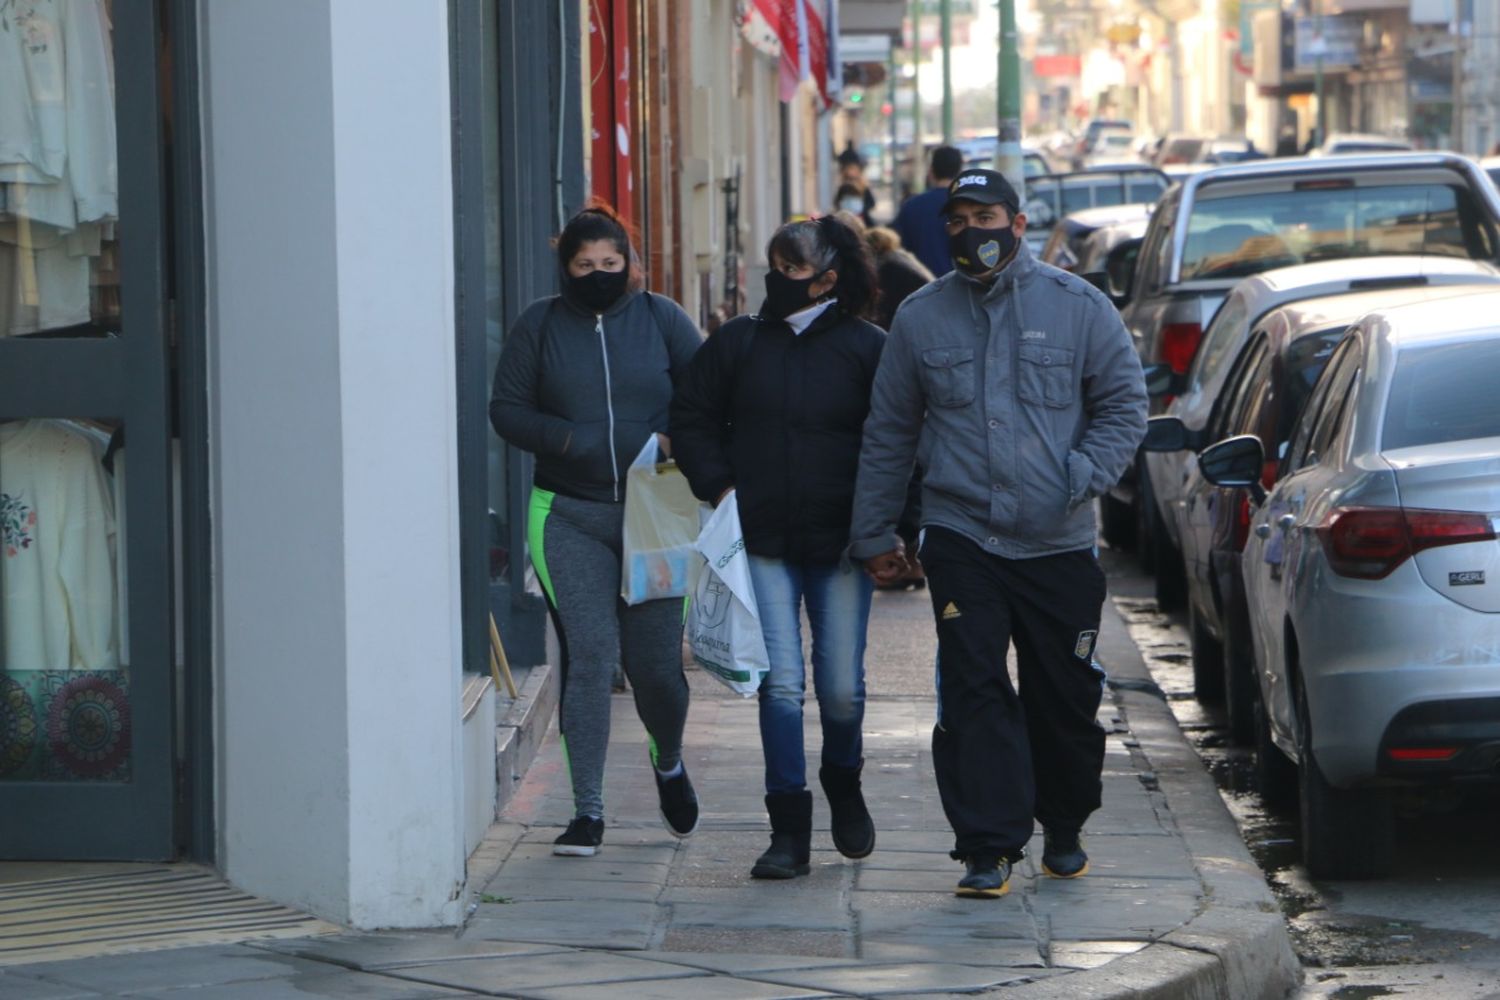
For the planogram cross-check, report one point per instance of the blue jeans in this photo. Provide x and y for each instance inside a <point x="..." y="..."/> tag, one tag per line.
<point x="838" y="608"/>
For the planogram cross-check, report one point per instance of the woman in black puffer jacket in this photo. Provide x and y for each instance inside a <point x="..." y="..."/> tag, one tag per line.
<point x="773" y="408"/>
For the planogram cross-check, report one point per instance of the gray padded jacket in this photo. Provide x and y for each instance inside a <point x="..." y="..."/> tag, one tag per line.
<point x="1022" y="399"/>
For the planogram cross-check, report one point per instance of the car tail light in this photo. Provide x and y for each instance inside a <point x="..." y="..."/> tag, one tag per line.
<point x="1179" y="342"/>
<point x="1422" y="753"/>
<point x="1369" y="542"/>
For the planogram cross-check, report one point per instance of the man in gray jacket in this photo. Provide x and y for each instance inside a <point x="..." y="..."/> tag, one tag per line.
<point x="1017" y="387"/>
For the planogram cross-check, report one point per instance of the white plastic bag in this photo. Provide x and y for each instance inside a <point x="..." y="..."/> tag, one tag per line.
<point x="723" y="621"/>
<point x="661" y="527"/>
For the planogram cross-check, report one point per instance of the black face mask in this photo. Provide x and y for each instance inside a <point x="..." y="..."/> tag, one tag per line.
<point x="598" y="290"/>
<point x="785" y="296"/>
<point x="978" y="251"/>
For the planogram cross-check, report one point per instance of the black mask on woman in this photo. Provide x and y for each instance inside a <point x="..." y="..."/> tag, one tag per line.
<point x="597" y="290"/>
<point x="785" y="296"/>
<point x="977" y="251"/>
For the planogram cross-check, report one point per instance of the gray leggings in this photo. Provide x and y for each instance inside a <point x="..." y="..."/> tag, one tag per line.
<point x="575" y="546"/>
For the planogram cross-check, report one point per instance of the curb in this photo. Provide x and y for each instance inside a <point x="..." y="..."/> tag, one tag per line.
<point x="1237" y="947"/>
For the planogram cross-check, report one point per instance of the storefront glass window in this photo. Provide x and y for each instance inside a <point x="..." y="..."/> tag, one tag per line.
<point x="64" y="685"/>
<point x="497" y="478"/>
<point x="59" y="191"/>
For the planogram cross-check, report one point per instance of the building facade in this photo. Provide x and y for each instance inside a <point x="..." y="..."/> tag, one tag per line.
<point x="257" y="262"/>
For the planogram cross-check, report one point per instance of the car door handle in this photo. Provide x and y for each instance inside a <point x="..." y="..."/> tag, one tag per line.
<point x="1286" y="521"/>
<point x="1262" y="531"/>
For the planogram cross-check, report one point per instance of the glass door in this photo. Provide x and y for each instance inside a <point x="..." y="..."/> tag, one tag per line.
<point x="86" y="677"/>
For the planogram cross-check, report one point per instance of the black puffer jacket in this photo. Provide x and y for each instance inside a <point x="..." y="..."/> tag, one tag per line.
<point x="583" y="392"/>
<point x="778" y="416"/>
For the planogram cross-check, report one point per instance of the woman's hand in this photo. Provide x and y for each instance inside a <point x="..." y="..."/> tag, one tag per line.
<point x="664" y="445"/>
<point x="723" y="495"/>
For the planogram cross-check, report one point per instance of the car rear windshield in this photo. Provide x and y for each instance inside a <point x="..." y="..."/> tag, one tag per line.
<point x="1239" y="235"/>
<point x="1050" y="198"/>
<point x="1444" y="393"/>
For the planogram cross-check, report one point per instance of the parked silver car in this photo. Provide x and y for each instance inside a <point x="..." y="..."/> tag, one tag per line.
<point x="1264" y="385"/>
<point x="1248" y="302"/>
<point x="1372" y="574"/>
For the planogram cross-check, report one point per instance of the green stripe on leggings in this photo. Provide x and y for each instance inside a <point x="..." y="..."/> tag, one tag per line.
<point x="536" y="521"/>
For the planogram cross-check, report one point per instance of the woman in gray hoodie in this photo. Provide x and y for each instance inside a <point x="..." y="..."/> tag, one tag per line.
<point x="584" y="381"/>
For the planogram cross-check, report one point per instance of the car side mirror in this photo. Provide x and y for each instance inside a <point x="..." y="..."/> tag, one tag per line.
<point x="1165" y="434"/>
<point x="1235" y="462"/>
<point x="1162" y="381"/>
<point x="1119" y="270"/>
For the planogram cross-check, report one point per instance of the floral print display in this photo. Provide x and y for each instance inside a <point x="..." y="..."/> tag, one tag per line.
<point x="18" y="727"/>
<point x="65" y="725"/>
<point x="17" y="524"/>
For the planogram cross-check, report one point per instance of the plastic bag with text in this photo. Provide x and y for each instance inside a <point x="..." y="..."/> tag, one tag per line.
<point x="661" y="527"/>
<point x="723" y="623"/>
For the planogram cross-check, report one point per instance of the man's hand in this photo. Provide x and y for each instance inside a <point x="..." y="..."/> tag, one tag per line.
<point x="888" y="567"/>
<point x="664" y="446"/>
<point x="723" y="495"/>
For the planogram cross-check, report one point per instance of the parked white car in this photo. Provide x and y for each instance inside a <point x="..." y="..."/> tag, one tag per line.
<point x="1372" y="575"/>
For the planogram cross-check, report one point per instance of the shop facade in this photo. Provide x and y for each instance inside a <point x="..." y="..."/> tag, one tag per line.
<point x="255" y="261"/>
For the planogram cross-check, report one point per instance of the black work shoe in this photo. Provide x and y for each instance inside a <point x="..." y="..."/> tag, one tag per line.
<point x="581" y="839"/>
<point x="1063" y="855"/>
<point x="679" y="803"/>
<point x="787" y="857"/>
<point x="987" y="878"/>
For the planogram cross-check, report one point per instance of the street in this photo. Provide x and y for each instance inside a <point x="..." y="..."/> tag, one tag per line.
<point x="1430" y="930"/>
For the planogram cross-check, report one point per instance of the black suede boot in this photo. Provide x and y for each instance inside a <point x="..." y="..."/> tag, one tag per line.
<point x="791" y="837"/>
<point x="853" y="830"/>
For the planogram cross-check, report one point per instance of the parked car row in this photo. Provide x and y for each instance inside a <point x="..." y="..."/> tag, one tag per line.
<point x="1320" y="489"/>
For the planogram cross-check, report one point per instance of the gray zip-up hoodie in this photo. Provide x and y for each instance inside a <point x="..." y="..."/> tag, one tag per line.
<point x="1022" y="399"/>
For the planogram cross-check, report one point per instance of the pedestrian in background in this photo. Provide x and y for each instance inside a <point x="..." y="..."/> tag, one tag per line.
<point x="852" y="175"/>
<point x="919" y="223"/>
<point x="584" y="381"/>
<point x="1019" y="384"/>
<point x="772" y="409"/>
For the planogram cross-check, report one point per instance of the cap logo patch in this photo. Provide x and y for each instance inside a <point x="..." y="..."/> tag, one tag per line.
<point x="979" y="179"/>
<point x="989" y="253"/>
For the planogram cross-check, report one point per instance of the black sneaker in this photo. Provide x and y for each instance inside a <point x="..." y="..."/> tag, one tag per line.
<point x="679" y="803"/>
<point x="987" y="878"/>
<point x="581" y="839"/>
<point x="1063" y="855"/>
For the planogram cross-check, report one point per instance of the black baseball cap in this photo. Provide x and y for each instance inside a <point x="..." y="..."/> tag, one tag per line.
<point x="987" y="187"/>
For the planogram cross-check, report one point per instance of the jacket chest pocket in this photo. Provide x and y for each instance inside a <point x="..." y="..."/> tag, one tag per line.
<point x="948" y="376"/>
<point x="1046" y="376"/>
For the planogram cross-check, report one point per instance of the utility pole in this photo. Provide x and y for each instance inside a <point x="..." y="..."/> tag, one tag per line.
<point x="1320" y="46"/>
<point x="946" y="9"/>
<point x="918" y="153"/>
<point x="1008" y="148"/>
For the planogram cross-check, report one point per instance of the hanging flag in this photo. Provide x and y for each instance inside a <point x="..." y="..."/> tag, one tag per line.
<point x="799" y="27"/>
<point x="758" y="26"/>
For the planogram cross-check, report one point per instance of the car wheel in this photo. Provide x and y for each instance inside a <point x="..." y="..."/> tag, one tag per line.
<point x="1208" y="661"/>
<point x="1275" y="774"/>
<point x="1117" y="523"/>
<point x="1240" y="690"/>
<point x="1346" y="834"/>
